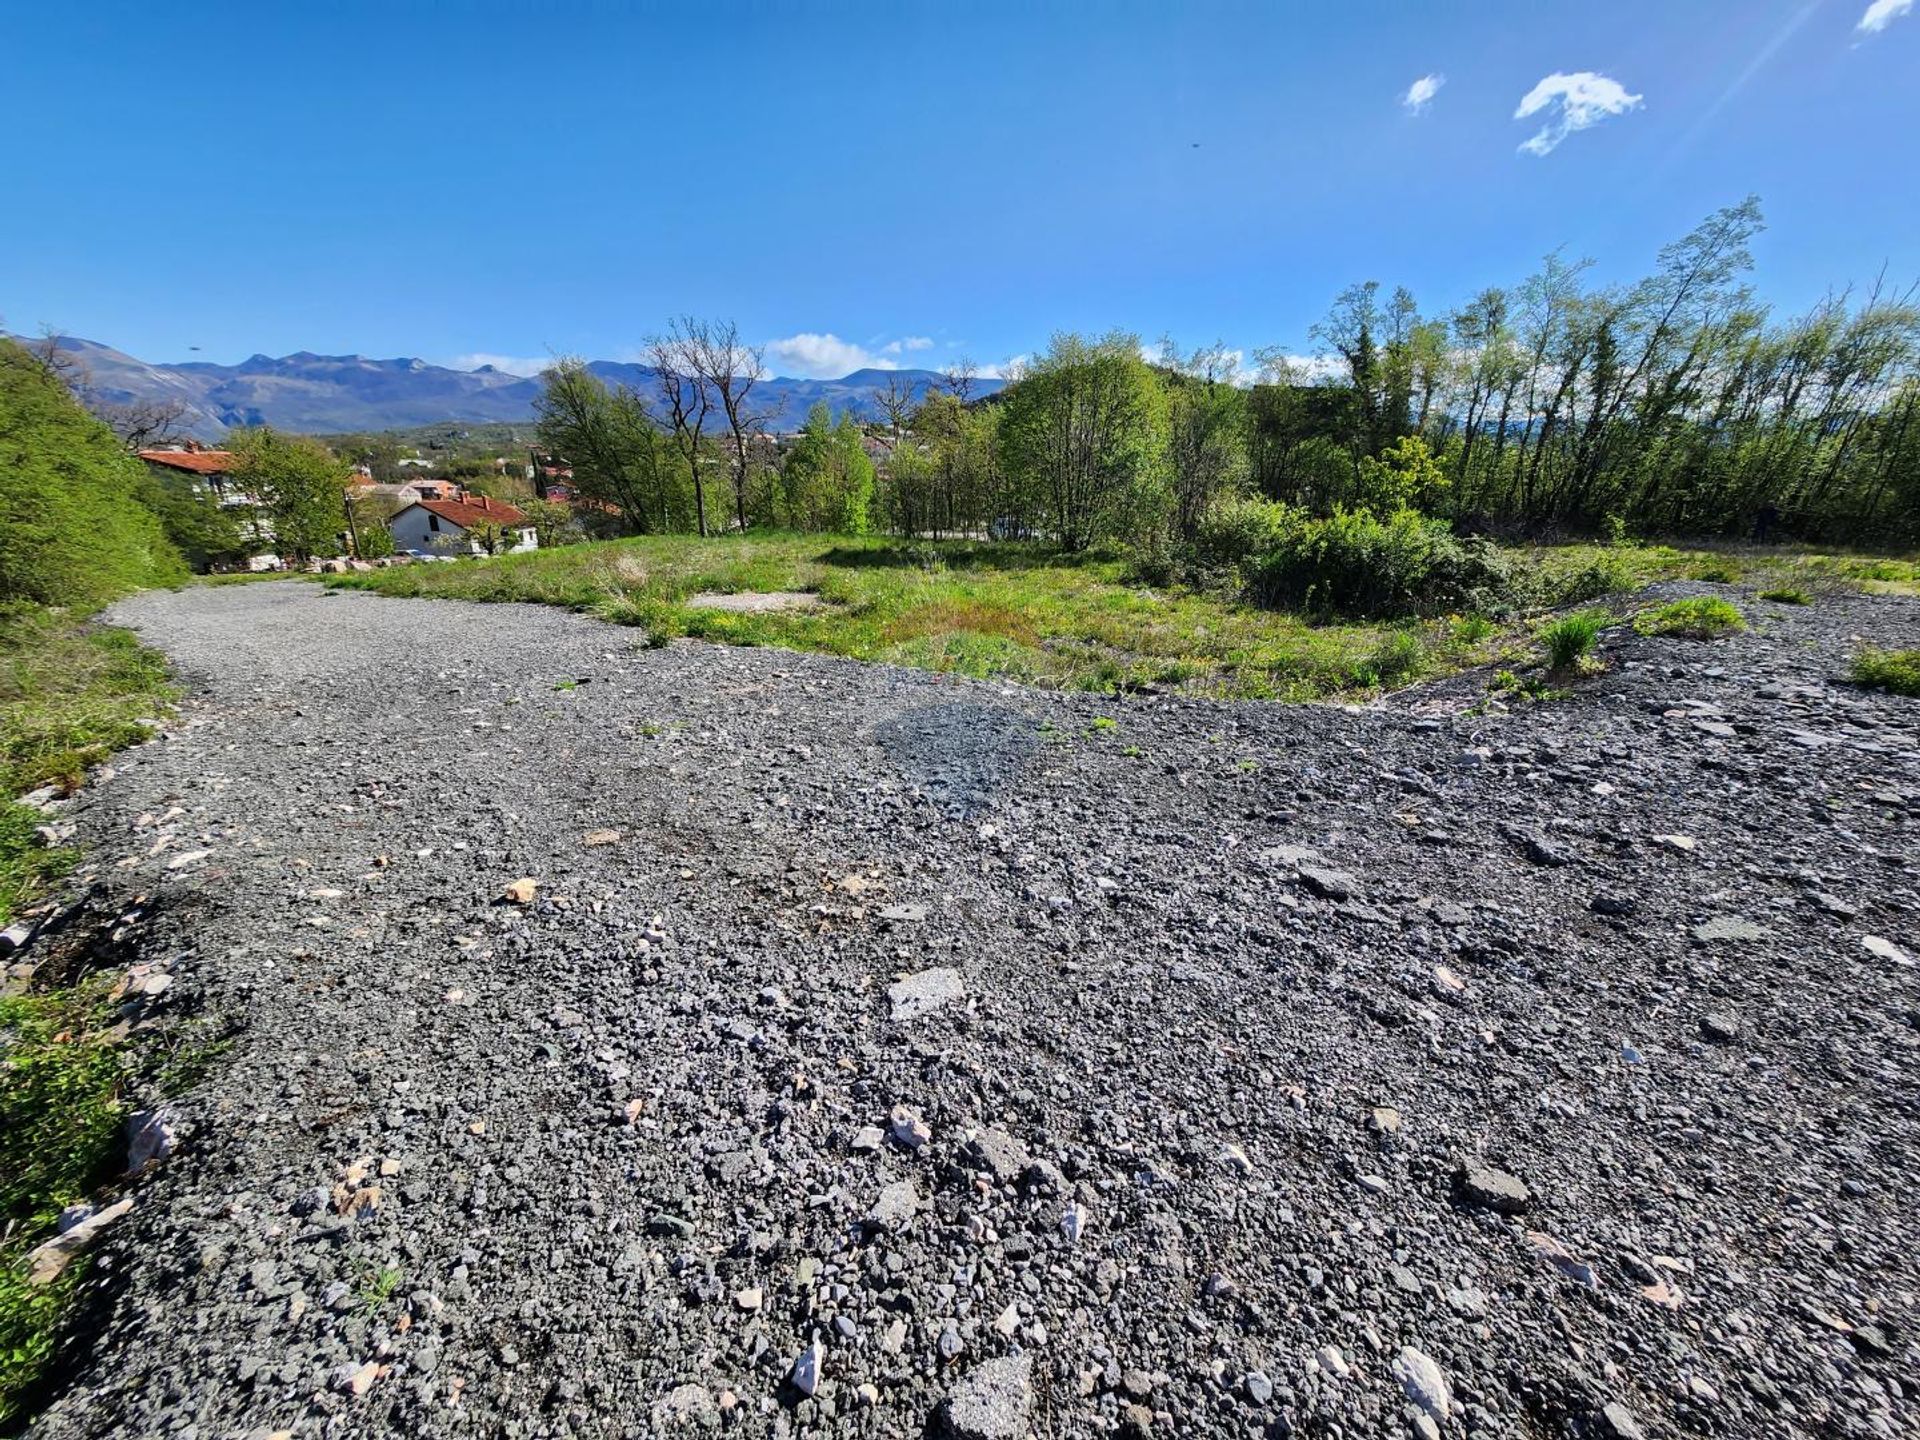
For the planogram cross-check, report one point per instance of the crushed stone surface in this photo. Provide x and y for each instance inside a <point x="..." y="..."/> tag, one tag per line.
<point x="1239" y="1058"/>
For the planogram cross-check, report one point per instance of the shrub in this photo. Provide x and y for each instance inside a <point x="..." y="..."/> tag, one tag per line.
<point x="1234" y="530"/>
<point x="1605" y="574"/>
<point x="1472" y="629"/>
<point x="1570" y="639"/>
<point x="73" y="530"/>
<point x="1399" y="656"/>
<point x="1700" y="617"/>
<point x="1894" y="670"/>
<point x="1787" y="597"/>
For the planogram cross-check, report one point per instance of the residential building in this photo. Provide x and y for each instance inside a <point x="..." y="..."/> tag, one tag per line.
<point x="457" y="527"/>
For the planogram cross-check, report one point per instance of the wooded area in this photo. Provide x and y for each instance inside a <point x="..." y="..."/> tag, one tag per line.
<point x="1677" y="405"/>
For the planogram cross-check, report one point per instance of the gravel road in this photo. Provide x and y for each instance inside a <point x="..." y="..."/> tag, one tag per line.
<point x="883" y="1054"/>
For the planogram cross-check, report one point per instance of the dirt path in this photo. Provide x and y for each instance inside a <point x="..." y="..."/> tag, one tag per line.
<point x="1242" y="990"/>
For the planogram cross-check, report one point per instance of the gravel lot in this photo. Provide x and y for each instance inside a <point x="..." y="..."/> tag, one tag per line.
<point x="1281" y="1071"/>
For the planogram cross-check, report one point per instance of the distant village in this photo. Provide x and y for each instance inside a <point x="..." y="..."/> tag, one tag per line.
<point x="425" y="516"/>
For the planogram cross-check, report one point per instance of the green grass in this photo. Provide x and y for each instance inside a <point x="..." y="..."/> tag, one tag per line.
<point x="60" y="1121"/>
<point x="1026" y="613"/>
<point x="1787" y="595"/>
<point x="70" y="694"/>
<point x="1699" y="617"/>
<point x="1570" y="640"/>
<point x="1894" y="670"/>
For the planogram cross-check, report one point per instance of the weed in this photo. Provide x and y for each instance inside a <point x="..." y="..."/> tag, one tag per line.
<point x="1699" y="617"/>
<point x="377" y="1285"/>
<point x="566" y="684"/>
<point x="1472" y="629"/>
<point x="1570" y="640"/>
<point x="1895" y="670"/>
<point x="1132" y="752"/>
<point x="1785" y="596"/>
<point x="1718" y="572"/>
<point x="1103" y="722"/>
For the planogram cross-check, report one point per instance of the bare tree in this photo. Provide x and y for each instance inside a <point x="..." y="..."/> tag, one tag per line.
<point x="142" y="424"/>
<point x="959" y="377"/>
<point x="686" y="399"/>
<point x="728" y="370"/>
<point x="896" y="402"/>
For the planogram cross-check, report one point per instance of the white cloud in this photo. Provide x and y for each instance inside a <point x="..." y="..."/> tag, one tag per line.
<point x="1007" y="369"/>
<point x="907" y="343"/>
<point x="1583" y="99"/>
<point x="1882" y="13"/>
<point x="512" y="364"/>
<point x="823" y="357"/>
<point x="1420" y="94"/>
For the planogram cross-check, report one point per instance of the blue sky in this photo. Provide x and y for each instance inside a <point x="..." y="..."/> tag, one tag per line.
<point x="848" y="181"/>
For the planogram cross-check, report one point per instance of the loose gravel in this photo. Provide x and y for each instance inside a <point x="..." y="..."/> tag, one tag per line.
<point x="876" y="1053"/>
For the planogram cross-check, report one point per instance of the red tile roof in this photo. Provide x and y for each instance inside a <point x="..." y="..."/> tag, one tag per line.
<point x="474" y="510"/>
<point x="196" y="462"/>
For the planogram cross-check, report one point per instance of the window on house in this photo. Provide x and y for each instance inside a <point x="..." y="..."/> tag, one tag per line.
<point x="433" y="521"/>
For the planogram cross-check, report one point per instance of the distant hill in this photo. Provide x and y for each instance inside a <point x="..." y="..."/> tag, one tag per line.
<point x="332" y="394"/>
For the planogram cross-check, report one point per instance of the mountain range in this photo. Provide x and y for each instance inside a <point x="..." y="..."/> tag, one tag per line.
<point x="335" y="394"/>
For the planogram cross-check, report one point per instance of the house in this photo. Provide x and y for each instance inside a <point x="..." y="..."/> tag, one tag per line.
<point x="462" y="526"/>
<point x="211" y="470"/>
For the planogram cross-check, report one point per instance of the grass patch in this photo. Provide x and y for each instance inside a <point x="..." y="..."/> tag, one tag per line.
<point x="1570" y="640"/>
<point x="71" y="693"/>
<point x="1894" y="670"/>
<point x="1785" y="595"/>
<point x="60" y="1121"/>
<point x="1024" y="612"/>
<point x="1699" y="617"/>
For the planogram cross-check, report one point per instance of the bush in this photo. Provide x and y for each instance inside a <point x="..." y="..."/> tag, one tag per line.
<point x="1234" y="530"/>
<point x="73" y="530"/>
<point x="1894" y="670"/>
<point x="1570" y="639"/>
<point x="1702" y="617"/>
<point x="1398" y="657"/>
<point x="1605" y="574"/>
<point x="1354" y="562"/>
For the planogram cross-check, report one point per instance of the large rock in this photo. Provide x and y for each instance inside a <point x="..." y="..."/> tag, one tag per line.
<point x="993" y="1401"/>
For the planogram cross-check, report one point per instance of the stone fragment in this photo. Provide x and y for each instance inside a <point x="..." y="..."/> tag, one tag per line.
<point x="1885" y="949"/>
<point x="1729" y="928"/>
<point x="1425" y="1383"/>
<point x="895" y="1207"/>
<point x="46" y="1260"/>
<point x="595" y="838"/>
<point x="1329" y="884"/>
<point x="1615" y="1422"/>
<point x="903" y="914"/>
<point x="925" y="992"/>
<point x="993" y="1401"/>
<point x="998" y="1155"/>
<point x="907" y="1128"/>
<point x="1482" y="1187"/>
<point x="807" y="1369"/>
<point x="1563" y="1259"/>
<point x="1720" y="1029"/>
<point x="521" y="891"/>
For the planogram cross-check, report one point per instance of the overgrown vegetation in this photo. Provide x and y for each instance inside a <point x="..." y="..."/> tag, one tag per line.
<point x="1020" y="610"/>
<point x="1698" y="617"/>
<point x="1895" y="670"/>
<point x="60" y="1119"/>
<point x="1787" y="595"/>
<point x="80" y="524"/>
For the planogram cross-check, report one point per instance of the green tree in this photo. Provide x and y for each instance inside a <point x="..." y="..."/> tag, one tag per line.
<point x="205" y="532"/>
<point x="1083" y="437"/>
<point x="73" y="528"/>
<point x="827" y="480"/>
<point x="300" y="486"/>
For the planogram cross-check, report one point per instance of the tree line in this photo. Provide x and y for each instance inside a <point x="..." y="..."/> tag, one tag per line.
<point x="1679" y="404"/>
